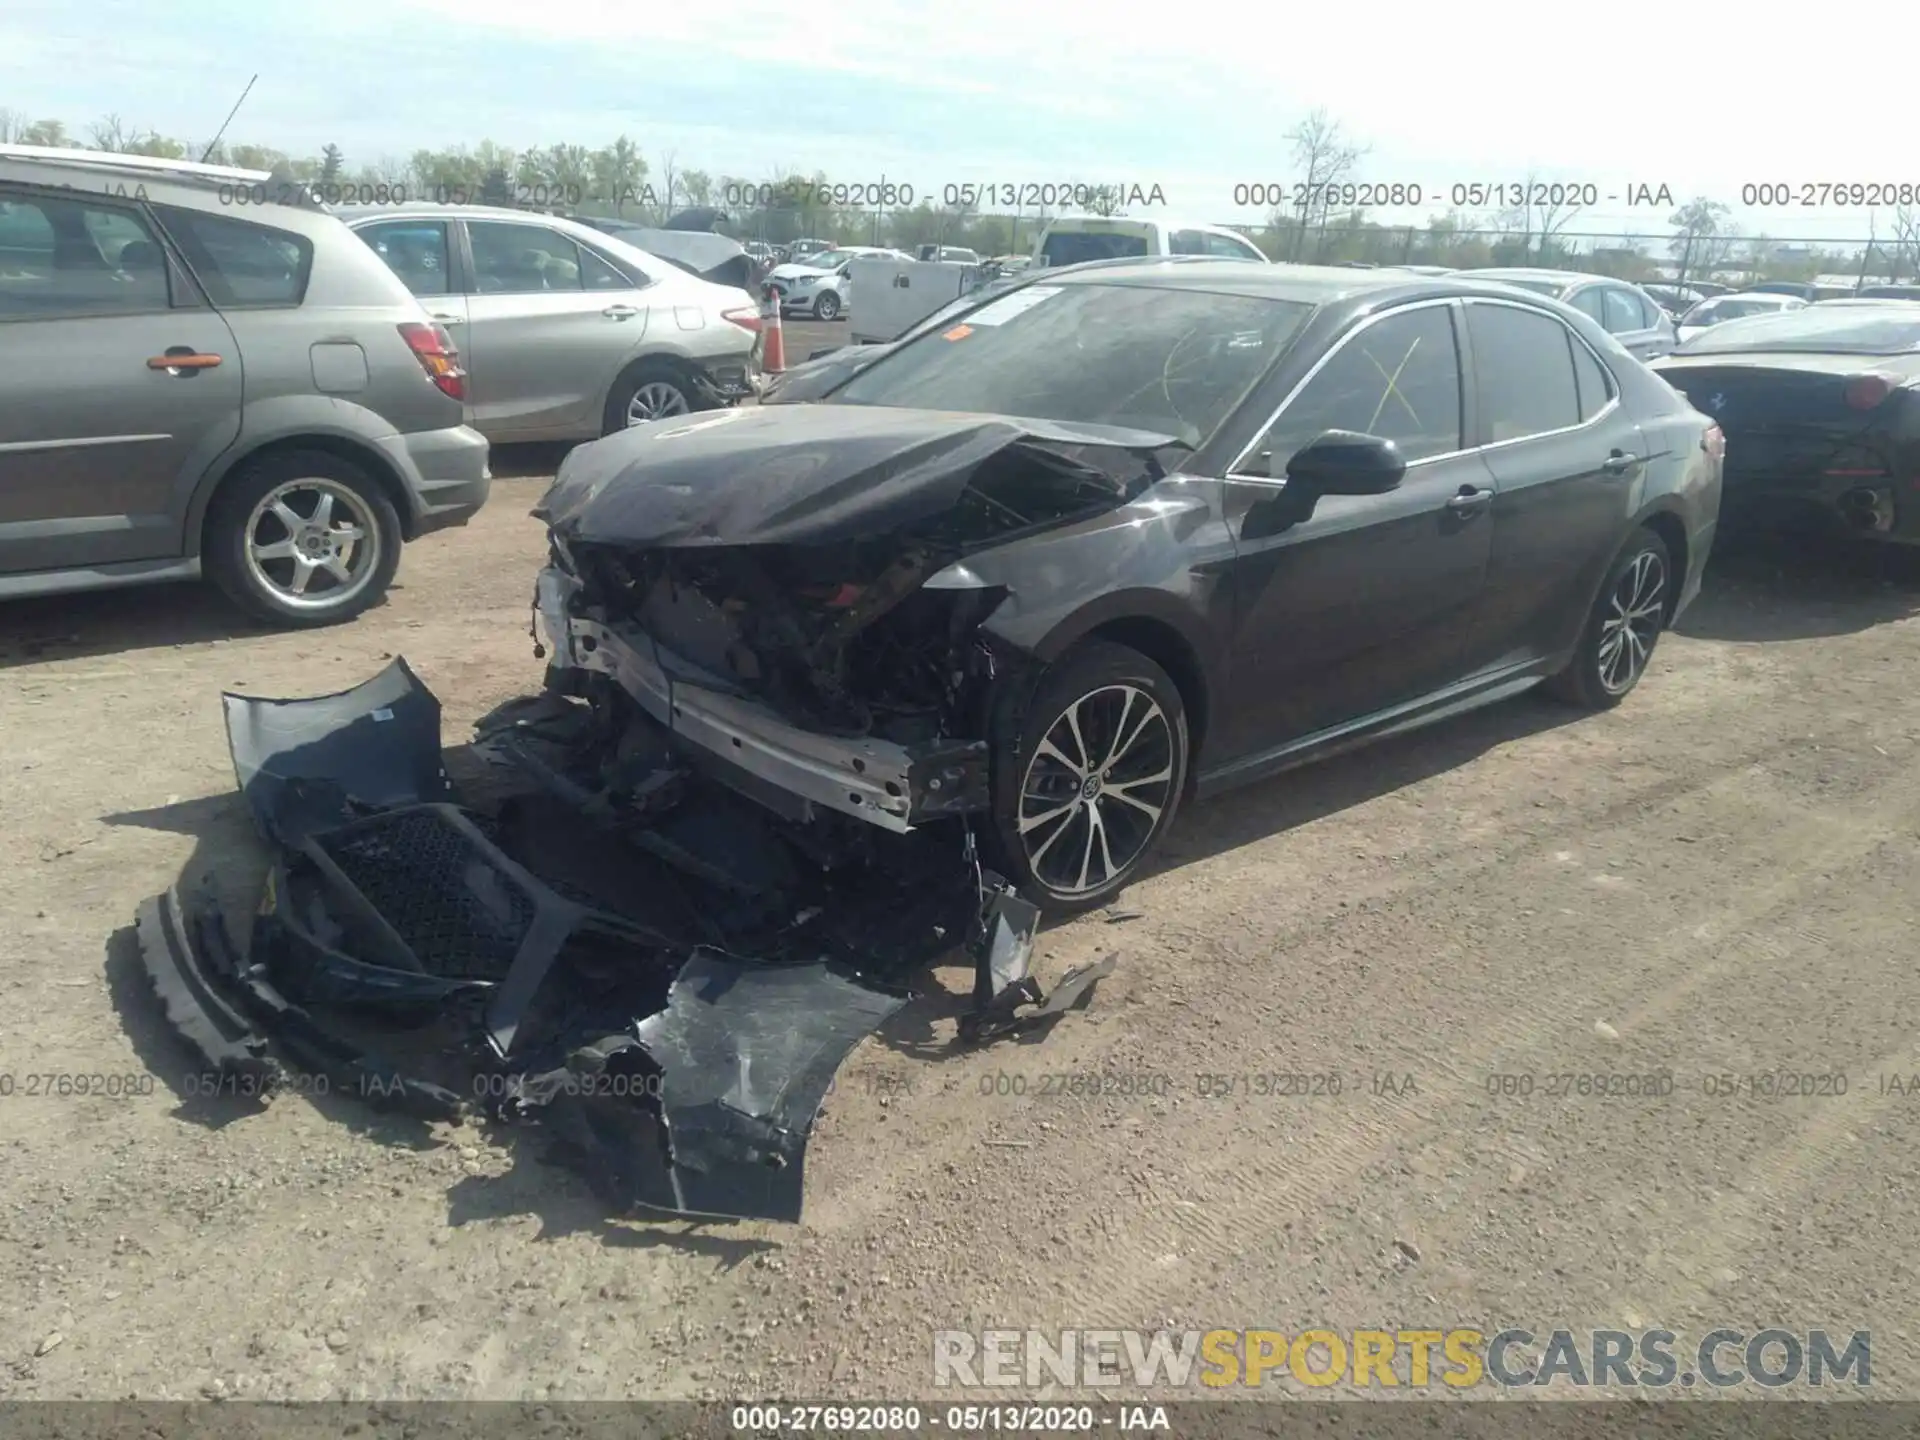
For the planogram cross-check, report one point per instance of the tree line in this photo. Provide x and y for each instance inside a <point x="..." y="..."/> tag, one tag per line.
<point x="617" y="179"/>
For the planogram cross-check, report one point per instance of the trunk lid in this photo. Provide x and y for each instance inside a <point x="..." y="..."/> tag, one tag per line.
<point x="1786" y="418"/>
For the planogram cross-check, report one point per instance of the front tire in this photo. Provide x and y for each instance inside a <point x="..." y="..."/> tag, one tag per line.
<point x="1092" y="784"/>
<point x="1623" y="627"/>
<point x="302" y="539"/>
<point x="827" y="307"/>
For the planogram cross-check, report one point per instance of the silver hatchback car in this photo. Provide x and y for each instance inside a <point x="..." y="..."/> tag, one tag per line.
<point x="568" y="333"/>
<point x="206" y="373"/>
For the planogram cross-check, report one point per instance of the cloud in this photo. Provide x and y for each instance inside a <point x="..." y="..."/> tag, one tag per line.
<point x="1195" y="100"/>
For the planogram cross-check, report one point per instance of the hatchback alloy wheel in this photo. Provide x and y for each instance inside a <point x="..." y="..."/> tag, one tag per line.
<point x="312" y="543"/>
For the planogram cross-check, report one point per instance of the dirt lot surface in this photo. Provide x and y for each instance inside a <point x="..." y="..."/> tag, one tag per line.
<point x="1720" y="877"/>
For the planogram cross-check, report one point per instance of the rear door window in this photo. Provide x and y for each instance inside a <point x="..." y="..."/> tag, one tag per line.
<point x="1596" y="385"/>
<point x="1622" y="312"/>
<point x="415" y="250"/>
<point x="241" y="264"/>
<point x="1524" y="372"/>
<point x="1591" y="302"/>
<point x="74" y="257"/>
<point x="513" y="259"/>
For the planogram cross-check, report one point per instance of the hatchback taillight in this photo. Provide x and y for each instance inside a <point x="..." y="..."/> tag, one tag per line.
<point x="1714" y="442"/>
<point x="434" y="349"/>
<point x="746" y="317"/>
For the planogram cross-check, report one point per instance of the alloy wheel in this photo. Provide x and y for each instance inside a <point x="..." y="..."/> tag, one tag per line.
<point x="1632" y="621"/>
<point x="1095" y="789"/>
<point x="313" y="544"/>
<point x="656" y="400"/>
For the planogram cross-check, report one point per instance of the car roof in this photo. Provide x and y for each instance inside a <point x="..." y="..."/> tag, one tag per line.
<point x="1527" y="272"/>
<point x="438" y="210"/>
<point x="1256" y="279"/>
<point x="1145" y="222"/>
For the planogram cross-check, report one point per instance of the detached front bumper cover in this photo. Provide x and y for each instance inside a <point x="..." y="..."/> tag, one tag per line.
<point x="438" y="960"/>
<point x="679" y="1079"/>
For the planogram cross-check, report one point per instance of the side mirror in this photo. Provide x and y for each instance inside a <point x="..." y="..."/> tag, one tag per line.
<point x="1342" y="462"/>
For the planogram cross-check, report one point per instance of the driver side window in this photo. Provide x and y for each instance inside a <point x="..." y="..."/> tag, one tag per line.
<point x="1398" y="378"/>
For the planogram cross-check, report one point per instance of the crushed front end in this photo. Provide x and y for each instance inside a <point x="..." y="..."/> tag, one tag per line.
<point x="654" y="906"/>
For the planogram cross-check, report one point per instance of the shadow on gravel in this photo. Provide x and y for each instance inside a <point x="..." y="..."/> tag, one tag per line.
<point x="565" y="1206"/>
<point x="1314" y="791"/>
<point x="112" y="622"/>
<point x="533" y="460"/>
<point x="1773" y="586"/>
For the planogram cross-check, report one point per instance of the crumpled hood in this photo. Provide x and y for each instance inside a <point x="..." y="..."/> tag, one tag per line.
<point x="798" y="270"/>
<point x="788" y="474"/>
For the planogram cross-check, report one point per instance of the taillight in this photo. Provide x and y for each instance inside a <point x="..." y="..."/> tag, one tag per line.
<point x="1864" y="392"/>
<point x="1714" y="442"/>
<point x="434" y="349"/>
<point x="746" y="318"/>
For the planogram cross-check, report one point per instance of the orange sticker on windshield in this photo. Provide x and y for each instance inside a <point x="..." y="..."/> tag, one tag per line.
<point x="958" y="332"/>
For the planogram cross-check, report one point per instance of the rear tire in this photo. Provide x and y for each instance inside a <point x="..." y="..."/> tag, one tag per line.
<point x="302" y="511"/>
<point x="1071" y="834"/>
<point x="653" y="390"/>
<point x="1622" y="629"/>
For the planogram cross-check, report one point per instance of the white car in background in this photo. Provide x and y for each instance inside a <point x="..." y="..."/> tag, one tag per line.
<point x="1717" y="309"/>
<point x="819" y="285"/>
<point x="1074" y="239"/>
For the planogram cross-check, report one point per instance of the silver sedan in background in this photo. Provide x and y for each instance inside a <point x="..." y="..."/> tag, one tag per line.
<point x="566" y="333"/>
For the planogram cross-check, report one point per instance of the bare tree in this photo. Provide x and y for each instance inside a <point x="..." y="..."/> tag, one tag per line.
<point x="111" y="134"/>
<point x="12" y="126"/>
<point x="1703" y="237"/>
<point x="1906" y="241"/>
<point x="672" y="184"/>
<point x="1327" y="159"/>
<point x="1103" y="200"/>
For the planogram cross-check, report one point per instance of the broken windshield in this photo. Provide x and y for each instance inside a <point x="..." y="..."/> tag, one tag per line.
<point x="1171" y="361"/>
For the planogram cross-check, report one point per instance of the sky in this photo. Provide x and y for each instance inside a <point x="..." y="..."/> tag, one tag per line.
<point x="1195" y="97"/>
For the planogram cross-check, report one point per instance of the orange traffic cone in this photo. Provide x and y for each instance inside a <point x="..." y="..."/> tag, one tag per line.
<point x="773" y="350"/>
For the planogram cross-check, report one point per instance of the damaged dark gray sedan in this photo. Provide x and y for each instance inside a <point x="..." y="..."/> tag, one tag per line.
<point x="1125" y="532"/>
<point x="837" y="689"/>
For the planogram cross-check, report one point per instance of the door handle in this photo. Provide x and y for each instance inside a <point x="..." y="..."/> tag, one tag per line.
<point x="620" y="312"/>
<point x="1618" y="462"/>
<point x="449" y="319"/>
<point x="182" y="360"/>
<point x="1470" y="501"/>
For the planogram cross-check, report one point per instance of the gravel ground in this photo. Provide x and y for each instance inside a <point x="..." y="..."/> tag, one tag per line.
<point x="1718" y="877"/>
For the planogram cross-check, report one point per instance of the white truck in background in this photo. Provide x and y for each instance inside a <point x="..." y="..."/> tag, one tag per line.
<point x="888" y="297"/>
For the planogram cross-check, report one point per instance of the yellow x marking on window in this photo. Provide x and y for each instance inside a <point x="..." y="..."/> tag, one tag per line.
<point x="1393" y="385"/>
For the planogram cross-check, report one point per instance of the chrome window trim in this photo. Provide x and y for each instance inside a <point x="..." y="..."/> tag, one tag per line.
<point x="1368" y="322"/>
<point x="1613" y="381"/>
<point x="1613" y="385"/>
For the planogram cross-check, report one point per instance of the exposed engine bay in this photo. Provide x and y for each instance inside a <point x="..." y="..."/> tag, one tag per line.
<point x="800" y="646"/>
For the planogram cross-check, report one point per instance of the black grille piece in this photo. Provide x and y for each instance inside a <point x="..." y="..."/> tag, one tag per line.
<point x="462" y="915"/>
